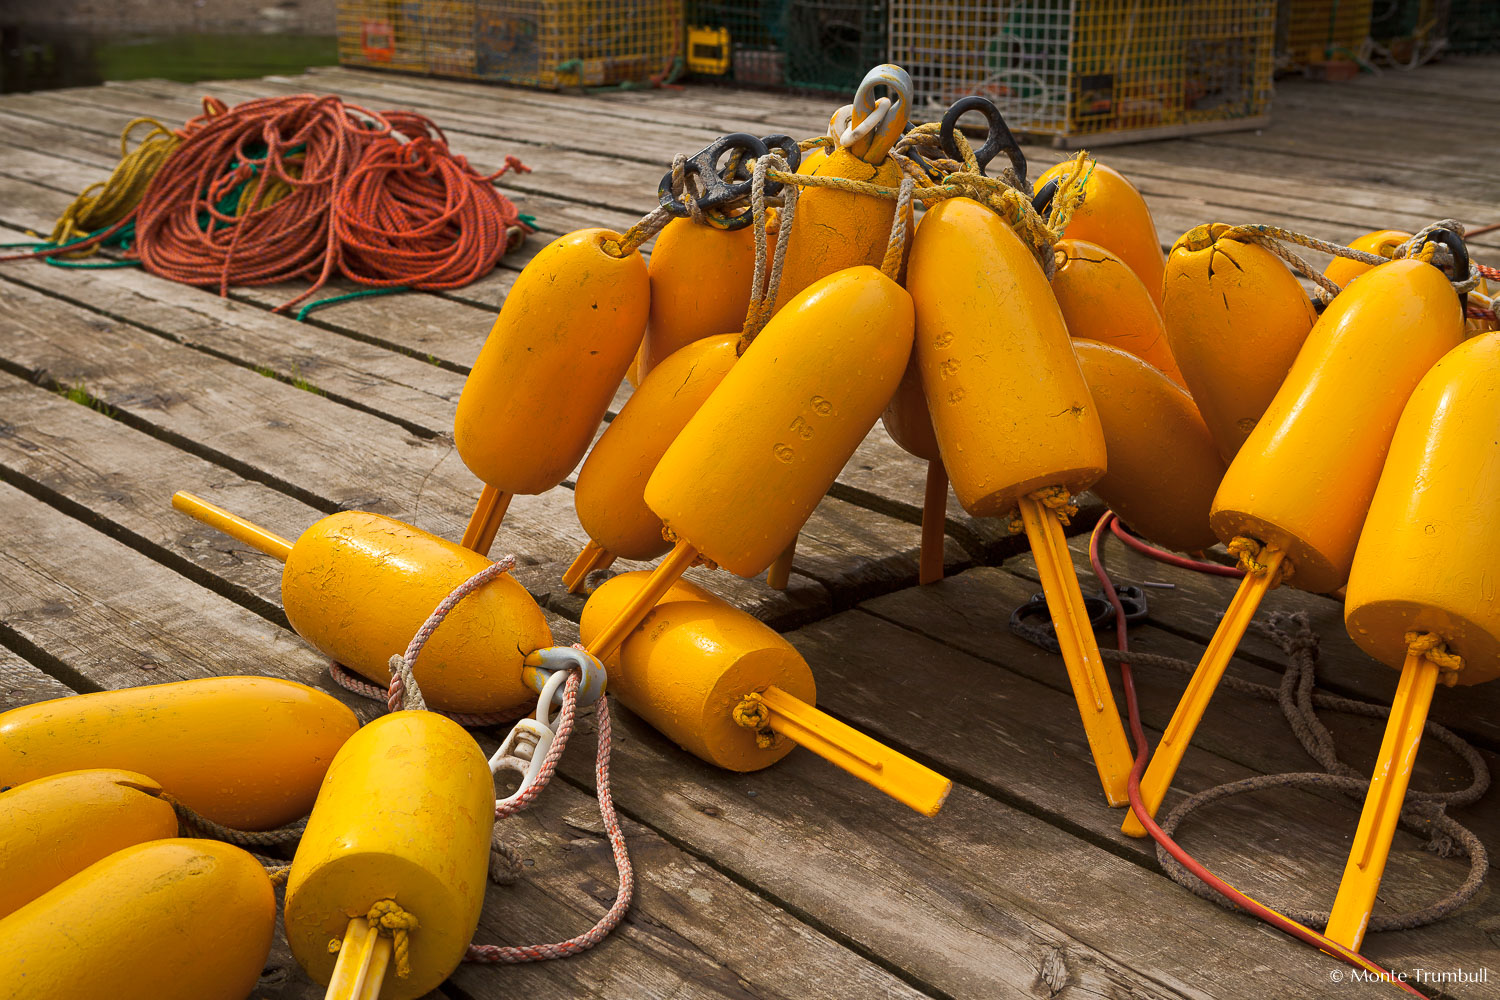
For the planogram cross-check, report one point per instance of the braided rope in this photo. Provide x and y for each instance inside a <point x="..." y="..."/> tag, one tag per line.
<point x="1298" y="699"/>
<point x="1055" y="499"/>
<point x="387" y="917"/>
<point x="1249" y="552"/>
<point x="764" y="287"/>
<point x="200" y="825"/>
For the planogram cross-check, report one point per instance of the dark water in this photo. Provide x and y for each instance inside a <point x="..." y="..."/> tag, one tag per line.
<point x="43" y="59"/>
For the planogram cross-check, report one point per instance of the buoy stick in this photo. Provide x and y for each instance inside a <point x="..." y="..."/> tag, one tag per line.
<point x="1377" y="823"/>
<point x="589" y="559"/>
<point x="780" y="572"/>
<point x="934" y="520"/>
<point x="1205" y="680"/>
<point x="667" y="572"/>
<point x="235" y="527"/>
<point x="364" y="956"/>
<point x="1080" y="651"/>
<point x="895" y="774"/>
<point x="485" y="521"/>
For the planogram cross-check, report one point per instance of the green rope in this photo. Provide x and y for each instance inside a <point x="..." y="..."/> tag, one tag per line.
<point x="363" y="293"/>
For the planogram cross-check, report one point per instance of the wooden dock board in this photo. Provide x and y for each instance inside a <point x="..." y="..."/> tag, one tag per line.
<point x="789" y="883"/>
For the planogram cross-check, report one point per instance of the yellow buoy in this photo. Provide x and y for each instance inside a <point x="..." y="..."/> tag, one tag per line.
<point x="402" y="830"/>
<point x="247" y="752"/>
<point x="700" y="286"/>
<point x="1235" y="319"/>
<point x="358" y="586"/>
<point x="732" y="692"/>
<point x="569" y="328"/>
<point x="164" y="920"/>
<point x="1422" y="595"/>
<point x="1163" y="466"/>
<point x="1102" y="299"/>
<point x="1382" y="243"/>
<point x="1113" y="215"/>
<point x="53" y="828"/>
<point x="1014" y="421"/>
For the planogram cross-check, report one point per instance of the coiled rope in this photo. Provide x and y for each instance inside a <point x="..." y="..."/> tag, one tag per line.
<point x="302" y="187"/>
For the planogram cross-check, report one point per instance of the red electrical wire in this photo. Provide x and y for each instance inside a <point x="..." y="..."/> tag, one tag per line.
<point x="1142" y="755"/>
<point x="1171" y="558"/>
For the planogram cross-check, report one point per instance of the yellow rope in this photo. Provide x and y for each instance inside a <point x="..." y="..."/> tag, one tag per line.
<point x="1249" y="552"/>
<point x="1434" y="649"/>
<point x="104" y="203"/>
<point x="1055" y="499"/>
<point x="751" y="713"/>
<point x="389" y="918"/>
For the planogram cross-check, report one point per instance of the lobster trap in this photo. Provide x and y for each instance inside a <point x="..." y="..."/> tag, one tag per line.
<point x="809" y="44"/>
<point x="537" y="43"/>
<point x="1315" y="31"/>
<point x="1093" y="71"/>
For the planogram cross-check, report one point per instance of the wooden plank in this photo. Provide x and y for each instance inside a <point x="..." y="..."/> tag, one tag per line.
<point x="22" y="683"/>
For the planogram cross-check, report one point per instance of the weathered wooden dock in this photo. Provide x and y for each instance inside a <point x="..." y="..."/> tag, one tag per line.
<point x="796" y="882"/>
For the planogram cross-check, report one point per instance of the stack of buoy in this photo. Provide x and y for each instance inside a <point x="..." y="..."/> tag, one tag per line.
<point x="1029" y="341"/>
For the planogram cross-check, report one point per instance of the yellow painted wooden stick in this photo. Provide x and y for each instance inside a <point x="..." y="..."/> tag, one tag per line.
<point x="934" y="520"/>
<point x="233" y="525"/>
<point x="593" y="556"/>
<point x="364" y="956"/>
<point x="895" y="774"/>
<point x="1205" y="680"/>
<point x="780" y="572"/>
<point x="1377" y="823"/>
<point x="667" y="572"/>
<point x="1080" y="651"/>
<point x="485" y="521"/>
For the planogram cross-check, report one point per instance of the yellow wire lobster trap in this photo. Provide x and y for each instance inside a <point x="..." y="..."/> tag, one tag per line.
<point x="1093" y="71"/>
<point x="1314" y="31"/>
<point x="538" y="43"/>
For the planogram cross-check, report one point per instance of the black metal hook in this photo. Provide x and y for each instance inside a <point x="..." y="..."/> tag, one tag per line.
<point x="1033" y="622"/>
<point x="1460" y="251"/>
<point x="724" y="174"/>
<point x="998" y="140"/>
<point x="1042" y="202"/>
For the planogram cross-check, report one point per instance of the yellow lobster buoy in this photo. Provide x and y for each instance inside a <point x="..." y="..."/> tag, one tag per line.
<point x="247" y="752"/>
<point x="53" y="828"/>
<point x="610" y="493"/>
<point x="358" y="586"/>
<point x="1295" y="498"/>
<point x="1422" y="596"/>
<point x="394" y="860"/>
<point x="1235" y="319"/>
<point x="1102" y="299"/>
<point x="565" y="337"/>
<point x="1163" y="466"/>
<point x="1113" y="215"/>
<point x="837" y="229"/>
<point x="1015" y="421"/>
<point x="732" y="692"/>
<point x="1382" y="243"/>
<point x="700" y="286"/>
<point x="164" y="920"/>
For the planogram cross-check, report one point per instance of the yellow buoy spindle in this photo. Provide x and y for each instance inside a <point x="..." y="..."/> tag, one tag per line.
<point x="1014" y="422"/>
<point x="727" y="689"/>
<point x="909" y="425"/>
<point x="1294" y="499"/>
<point x="1421" y="594"/>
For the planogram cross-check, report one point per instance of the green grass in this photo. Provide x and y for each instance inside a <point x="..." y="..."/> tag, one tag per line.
<point x="80" y="394"/>
<point x="189" y="58"/>
<point x="295" y="379"/>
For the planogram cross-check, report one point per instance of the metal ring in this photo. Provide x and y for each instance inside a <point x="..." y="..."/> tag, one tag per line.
<point x="1042" y="202"/>
<point x="998" y="140"/>
<point x="705" y="166"/>
<point x="1460" y="251"/>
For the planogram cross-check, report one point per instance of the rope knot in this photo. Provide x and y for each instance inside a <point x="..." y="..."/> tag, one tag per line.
<point x="1433" y="648"/>
<point x="1250" y="553"/>
<point x="751" y="713"/>
<point x="1057" y="500"/>
<point x="387" y="917"/>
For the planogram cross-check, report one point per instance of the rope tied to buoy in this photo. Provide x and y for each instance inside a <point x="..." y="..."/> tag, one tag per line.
<point x="1055" y="499"/>
<point x="1251" y="556"/>
<point x="752" y="713"/>
<point x="1434" y="648"/>
<point x="765" y="284"/>
<point x="405" y="694"/>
